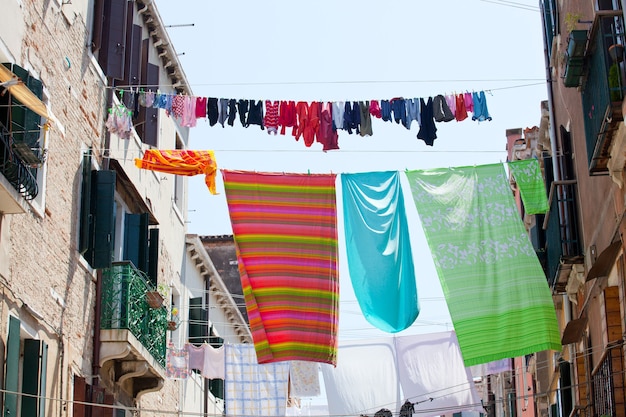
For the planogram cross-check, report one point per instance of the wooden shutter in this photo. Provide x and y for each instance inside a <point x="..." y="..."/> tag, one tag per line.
<point x="136" y="240"/>
<point x="80" y="397"/>
<point x="85" y="204"/>
<point x="102" y="208"/>
<point x="140" y="120"/>
<point x="153" y="256"/>
<point x="111" y="55"/>
<point x="98" y="17"/>
<point x="197" y="320"/>
<point x="151" y="130"/>
<point x="34" y="380"/>
<point x="11" y="378"/>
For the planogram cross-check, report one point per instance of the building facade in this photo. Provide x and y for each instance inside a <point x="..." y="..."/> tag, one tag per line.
<point x="87" y="240"/>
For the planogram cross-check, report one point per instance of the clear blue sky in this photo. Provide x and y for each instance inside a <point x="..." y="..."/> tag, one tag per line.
<point x="347" y="50"/>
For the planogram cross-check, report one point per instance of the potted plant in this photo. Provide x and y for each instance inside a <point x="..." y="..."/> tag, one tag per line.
<point x="156" y="299"/>
<point x="174" y="321"/>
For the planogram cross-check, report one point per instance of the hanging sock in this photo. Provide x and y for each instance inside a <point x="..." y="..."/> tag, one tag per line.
<point x="181" y="162"/>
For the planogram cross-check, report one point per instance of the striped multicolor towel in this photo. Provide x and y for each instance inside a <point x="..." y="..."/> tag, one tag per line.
<point x="495" y="288"/>
<point x="181" y="162"/>
<point x="285" y="230"/>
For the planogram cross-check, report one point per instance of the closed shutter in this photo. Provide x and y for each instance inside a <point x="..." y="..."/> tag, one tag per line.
<point x="102" y="207"/>
<point x="111" y="55"/>
<point x="34" y="381"/>
<point x="136" y="240"/>
<point x="85" y="204"/>
<point x="151" y="130"/>
<point x="80" y="397"/>
<point x="153" y="256"/>
<point x="98" y="17"/>
<point x="140" y="119"/>
<point x="11" y="380"/>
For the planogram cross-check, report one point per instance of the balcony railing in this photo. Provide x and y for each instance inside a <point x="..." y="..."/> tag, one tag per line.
<point x="563" y="246"/>
<point x="608" y="382"/>
<point x="603" y="91"/>
<point x="14" y="170"/>
<point x="125" y="306"/>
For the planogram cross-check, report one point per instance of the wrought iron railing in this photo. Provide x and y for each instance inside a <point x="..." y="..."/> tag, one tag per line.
<point x="14" y="170"/>
<point x="604" y="88"/>
<point x="607" y="380"/>
<point x="561" y="225"/>
<point x="125" y="306"/>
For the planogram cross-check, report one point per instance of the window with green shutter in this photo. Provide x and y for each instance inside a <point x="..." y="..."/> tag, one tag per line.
<point x="100" y="251"/>
<point x="136" y="240"/>
<point x="85" y="204"/>
<point x="11" y="377"/>
<point x="34" y="381"/>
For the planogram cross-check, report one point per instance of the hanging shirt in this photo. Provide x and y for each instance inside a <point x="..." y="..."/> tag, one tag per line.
<point x="366" y="118"/>
<point x="310" y="132"/>
<point x="177" y="363"/>
<point x="428" y="130"/>
<point x="232" y="111"/>
<point x="196" y="356"/>
<point x="398" y="107"/>
<point x="461" y="111"/>
<point x="223" y="111"/>
<point x="302" y="112"/>
<point x="214" y="362"/>
<point x="271" y="116"/>
<point x="385" y="110"/>
<point x="212" y="111"/>
<point x="451" y="101"/>
<point x="201" y="107"/>
<point x="242" y="107"/>
<point x="352" y="117"/>
<point x="469" y="102"/>
<point x="326" y="135"/>
<point x="441" y="111"/>
<point x="480" y="107"/>
<point x="412" y="111"/>
<point x="178" y="106"/>
<point x="375" y="109"/>
<point x="287" y="116"/>
<point x="339" y="107"/>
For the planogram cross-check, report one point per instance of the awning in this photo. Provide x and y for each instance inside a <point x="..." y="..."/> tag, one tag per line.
<point x="604" y="263"/>
<point x="23" y="94"/>
<point x="574" y="331"/>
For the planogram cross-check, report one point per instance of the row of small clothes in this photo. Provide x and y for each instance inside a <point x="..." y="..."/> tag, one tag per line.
<point x="313" y="121"/>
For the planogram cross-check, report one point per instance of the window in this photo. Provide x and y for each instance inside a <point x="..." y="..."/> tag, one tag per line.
<point x="25" y="373"/>
<point x="85" y="393"/>
<point x="114" y="225"/>
<point x="22" y="151"/>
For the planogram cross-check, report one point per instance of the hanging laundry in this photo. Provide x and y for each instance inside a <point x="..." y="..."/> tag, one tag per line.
<point x="366" y="377"/>
<point x="326" y="135"/>
<point x="189" y="112"/>
<point x="480" y="246"/>
<point x="196" y="356"/>
<point x="302" y="112"/>
<point x="469" y="101"/>
<point x="407" y="409"/>
<point x="304" y="379"/>
<point x="271" y="116"/>
<point x="352" y="117"/>
<point x="313" y="125"/>
<point x="491" y="368"/>
<point x="422" y="361"/>
<point x="375" y="109"/>
<point x="398" y="107"/>
<point x="378" y="247"/>
<point x="339" y="107"/>
<point x="232" y="112"/>
<point x="177" y="362"/>
<point x="222" y="111"/>
<point x="451" y="102"/>
<point x="412" y="111"/>
<point x="242" y="108"/>
<point x="461" y="110"/>
<point x="251" y="389"/>
<point x="181" y="162"/>
<point x="385" y="110"/>
<point x="383" y="412"/>
<point x="366" y="118"/>
<point x="428" y="130"/>
<point x="287" y="246"/>
<point x="178" y="106"/>
<point x="214" y="362"/>
<point x="255" y="114"/>
<point x="212" y="111"/>
<point x="532" y="187"/>
<point x="201" y="103"/>
<point x="149" y="99"/>
<point x="441" y="111"/>
<point x="287" y="116"/>
<point x="480" y="107"/>
<point x="119" y="121"/>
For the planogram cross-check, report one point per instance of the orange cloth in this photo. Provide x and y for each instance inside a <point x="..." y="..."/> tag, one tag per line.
<point x="181" y="162"/>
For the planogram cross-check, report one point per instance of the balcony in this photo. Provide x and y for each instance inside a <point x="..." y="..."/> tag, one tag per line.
<point x="562" y="239"/>
<point x="608" y="382"/>
<point x="603" y="89"/>
<point x="18" y="181"/>
<point x="132" y="334"/>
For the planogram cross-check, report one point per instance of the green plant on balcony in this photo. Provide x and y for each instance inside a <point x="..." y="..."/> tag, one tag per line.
<point x="614" y="82"/>
<point x="156" y="298"/>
